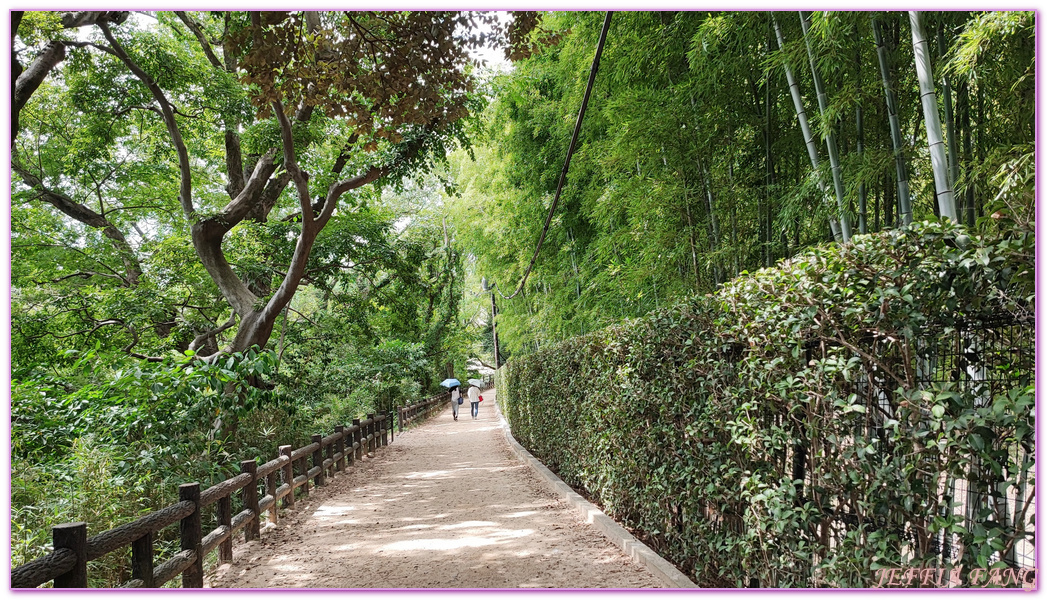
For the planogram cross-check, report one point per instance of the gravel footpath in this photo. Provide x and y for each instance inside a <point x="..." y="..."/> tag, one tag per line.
<point x="446" y="505"/>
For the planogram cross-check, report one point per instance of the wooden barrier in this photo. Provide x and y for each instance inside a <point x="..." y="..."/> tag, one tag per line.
<point x="424" y="409"/>
<point x="421" y="410"/>
<point x="66" y="566"/>
<point x="488" y="382"/>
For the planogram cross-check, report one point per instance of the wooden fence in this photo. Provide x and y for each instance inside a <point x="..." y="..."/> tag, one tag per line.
<point x="425" y="408"/>
<point x="422" y="410"/>
<point x="66" y="565"/>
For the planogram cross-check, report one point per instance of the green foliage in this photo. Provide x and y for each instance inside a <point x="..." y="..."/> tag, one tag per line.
<point x="690" y="122"/>
<point x="113" y="439"/>
<point x="94" y="483"/>
<point x="686" y="424"/>
<point x="691" y="167"/>
<point x="149" y="407"/>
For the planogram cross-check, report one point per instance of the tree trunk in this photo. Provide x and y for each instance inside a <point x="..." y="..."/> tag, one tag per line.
<point x="902" y="172"/>
<point x="766" y="222"/>
<point x="891" y="209"/>
<point x="29" y="80"/>
<point x="16" y="70"/>
<point x="978" y="208"/>
<point x="734" y="240"/>
<point x="964" y="108"/>
<point x="932" y="121"/>
<point x="950" y="123"/>
<point x="690" y="238"/>
<point x="714" y="224"/>
<point x="801" y="116"/>
<point x="830" y="138"/>
<point x="876" y="208"/>
<point x="859" y="126"/>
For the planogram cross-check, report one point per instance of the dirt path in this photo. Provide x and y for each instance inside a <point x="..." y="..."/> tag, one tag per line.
<point x="447" y="505"/>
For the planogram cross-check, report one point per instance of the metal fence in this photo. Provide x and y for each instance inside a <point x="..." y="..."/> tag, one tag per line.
<point x="984" y="360"/>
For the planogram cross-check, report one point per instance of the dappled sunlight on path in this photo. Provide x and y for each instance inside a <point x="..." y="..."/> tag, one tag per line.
<point x="445" y="505"/>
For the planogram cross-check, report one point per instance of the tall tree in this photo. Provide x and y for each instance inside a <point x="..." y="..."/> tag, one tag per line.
<point x="340" y="104"/>
<point x="635" y="228"/>
<point x="808" y="136"/>
<point x="827" y="128"/>
<point x="897" y="142"/>
<point x="950" y="121"/>
<point x="931" y="119"/>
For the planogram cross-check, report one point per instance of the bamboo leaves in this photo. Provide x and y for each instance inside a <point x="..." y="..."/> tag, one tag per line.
<point x="692" y="172"/>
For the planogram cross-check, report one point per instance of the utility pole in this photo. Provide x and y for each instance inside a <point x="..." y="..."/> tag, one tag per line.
<point x="494" y="331"/>
<point x="494" y="313"/>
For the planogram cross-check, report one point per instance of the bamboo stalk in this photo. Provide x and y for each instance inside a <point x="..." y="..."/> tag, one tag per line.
<point x="932" y="121"/>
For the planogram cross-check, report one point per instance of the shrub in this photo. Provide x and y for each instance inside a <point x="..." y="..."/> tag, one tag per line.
<point x="111" y="442"/>
<point x="95" y="484"/>
<point x="810" y="423"/>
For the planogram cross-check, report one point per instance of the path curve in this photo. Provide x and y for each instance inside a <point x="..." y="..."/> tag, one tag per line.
<point x="446" y="505"/>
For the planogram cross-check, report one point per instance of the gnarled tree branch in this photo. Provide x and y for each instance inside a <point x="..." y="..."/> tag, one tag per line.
<point x="199" y="33"/>
<point x="83" y="214"/>
<point x="25" y="82"/>
<point x="185" y="189"/>
<point x="201" y="339"/>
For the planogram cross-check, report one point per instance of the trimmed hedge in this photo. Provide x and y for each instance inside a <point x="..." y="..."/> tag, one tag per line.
<point x="810" y="423"/>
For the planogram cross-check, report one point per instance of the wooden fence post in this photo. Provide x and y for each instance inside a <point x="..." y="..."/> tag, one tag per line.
<point x="253" y="530"/>
<point x="303" y="468"/>
<point x="225" y="517"/>
<point x="339" y="447"/>
<point x="390" y="424"/>
<point x="288" y="476"/>
<point x="400" y="414"/>
<point x="270" y="490"/>
<point x="350" y="437"/>
<point x="72" y="536"/>
<point x="358" y="439"/>
<point x="365" y="434"/>
<point x="142" y="560"/>
<point x="385" y="428"/>
<point x="318" y="458"/>
<point x="191" y="534"/>
<point x="371" y="431"/>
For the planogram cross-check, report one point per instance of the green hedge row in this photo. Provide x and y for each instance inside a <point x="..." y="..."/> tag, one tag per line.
<point x="811" y="423"/>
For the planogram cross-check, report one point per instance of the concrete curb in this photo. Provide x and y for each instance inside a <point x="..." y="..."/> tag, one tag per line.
<point x="662" y="569"/>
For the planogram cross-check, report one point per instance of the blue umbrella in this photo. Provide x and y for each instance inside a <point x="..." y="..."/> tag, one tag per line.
<point x="450" y="383"/>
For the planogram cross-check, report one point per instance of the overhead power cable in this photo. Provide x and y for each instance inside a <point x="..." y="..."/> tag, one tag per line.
<point x="570" y="151"/>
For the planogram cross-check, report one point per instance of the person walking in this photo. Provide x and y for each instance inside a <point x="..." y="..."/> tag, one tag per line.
<point x="456" y="401"/>
<point x="474" y="400"/>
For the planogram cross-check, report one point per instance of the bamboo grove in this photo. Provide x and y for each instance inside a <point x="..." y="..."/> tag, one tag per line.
<point x="722" y="142"/>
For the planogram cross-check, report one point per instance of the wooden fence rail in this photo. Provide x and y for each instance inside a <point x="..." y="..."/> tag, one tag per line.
<point x="421" y="410"/>
<point x="66" y="565"/>
<point x="425" y="408"/>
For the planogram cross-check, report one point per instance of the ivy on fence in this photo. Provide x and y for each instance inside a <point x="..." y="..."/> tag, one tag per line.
<point x="860" y="407"/>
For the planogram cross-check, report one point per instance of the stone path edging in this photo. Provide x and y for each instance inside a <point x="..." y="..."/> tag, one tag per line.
<point x="634" y="548"/>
